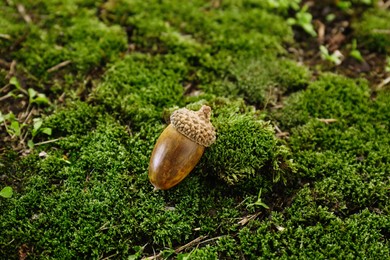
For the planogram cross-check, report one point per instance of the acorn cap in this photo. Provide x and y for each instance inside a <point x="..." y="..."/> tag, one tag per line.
<point x="195" y="125"/>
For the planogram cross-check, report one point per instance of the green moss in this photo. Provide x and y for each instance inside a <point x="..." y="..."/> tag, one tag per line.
<point x="331" y="97"/>
<point x="139" y="86"/>
<point x="210" y="39"/>
<point x="93" y="193"/>
<point x="260" y="81"/>
<point x="372" y="30"/>
<point x="348" y="157"/>
<point x="13" y="28"/>
<point x="89" y="195"/>
<point x="357" y="236"/>
<point x="242" y="139"/>
<point x="86" y="43"/>
<point x="77" y="118"/>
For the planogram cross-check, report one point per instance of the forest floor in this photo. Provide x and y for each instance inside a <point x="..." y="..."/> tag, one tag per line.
<point x="300" y="94"/>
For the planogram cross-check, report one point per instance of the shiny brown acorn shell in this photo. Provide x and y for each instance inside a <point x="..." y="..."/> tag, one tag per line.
<point x="174" y="156"/>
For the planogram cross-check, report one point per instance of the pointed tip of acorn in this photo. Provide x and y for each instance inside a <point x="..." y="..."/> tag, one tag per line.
<point x="204" y="112"/>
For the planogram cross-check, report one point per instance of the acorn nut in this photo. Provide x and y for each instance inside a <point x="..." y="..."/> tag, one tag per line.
<point x="180" y="147"/>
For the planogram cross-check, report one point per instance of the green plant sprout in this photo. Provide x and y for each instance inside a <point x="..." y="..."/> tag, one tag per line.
<point x="37" y="128"/>
<point x="355" y="53"/>
<point x="344" y="5"/>
<point x="284" y="4"/>
<point x="348" y="5"/>
<point x="33" y="95"/>
<point x="36" y="97"/>
<point x="330" y="17"/>
<point x="387" y="68"/>
<point x="6" y="192"/>
<point x="258" y="202"/>
<point x="335" y="57"/>
<point x="15" y="82"/>
<point x="11" y="124"/>
<point x="303" y="19"/>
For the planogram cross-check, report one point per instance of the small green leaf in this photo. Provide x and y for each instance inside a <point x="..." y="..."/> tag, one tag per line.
<point x="46" y="130"/>
<point x="6" y="192"/>
<point x="37" y="123"/>
<point x="259" y="202"/>
<point x="330" y="17"/>
<point x="309" y="28"/>
<point x="183" y="256"/>
<point x="14" y="81"/>
<point x="324" y="51"/>
<point x="30" y="144"/>
<point x="31" y="94"/>
<point x="291" y="21"/>
<point x="15" y="127"/>
<point x="10" y="116"/>
<point x="344" y="5"/>
<point x="41" y="99"/>
<point x="262" y="204"/>
<point x="356" y="55"/>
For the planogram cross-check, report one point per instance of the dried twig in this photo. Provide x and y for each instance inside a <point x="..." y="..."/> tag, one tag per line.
<point x="196" y="241"/>
<point x="109" y="257"/>
<point x="12" y="69"/>
<point x="327" y="120"/>
<point x="4" y="64"/>
<point x="3" y="89"/>
<point x="48" y="141"/>
<point x="383" y="83"/>
<point x="384" y="4"/>
<point x="381" y="31"/>
<point x="216" y="3"/>
<point x="23" y="13"/>
<point x="248" y="218"/>
<point x="192" y="243"/>
<point x="59" y="66"/>
<point x="5" y="36"/>
<point x="5" y="97"/>
<point x="211" y="239"/>
<point x="321" y="31"/>
<point x="28" y="115"/>
<point x="281" y="134"/>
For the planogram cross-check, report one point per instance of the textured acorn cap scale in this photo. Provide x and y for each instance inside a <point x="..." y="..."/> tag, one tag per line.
<point x="195" y="125"/>
<point x="180" y="147"/>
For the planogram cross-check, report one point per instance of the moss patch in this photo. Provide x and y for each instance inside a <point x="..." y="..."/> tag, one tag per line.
<point x="323" y="192"/>
<point x="373" y="30"/>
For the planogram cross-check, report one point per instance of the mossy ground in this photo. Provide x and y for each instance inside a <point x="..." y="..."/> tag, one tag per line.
<point x="300" y="168"/>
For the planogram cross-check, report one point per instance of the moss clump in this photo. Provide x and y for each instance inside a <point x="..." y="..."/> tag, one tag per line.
<point x="85" y="42"/>
<point x="139" y="86"/>
<point x="358" y="235"/>
<point x="13" y="29"/>
<point x="373" y="30"/>
<point x="208" y="38"/>
<point x="243" y="138"/>
<point x="347" y="157"/>
<point x="260" y="81"/>
<point x="331" y="97"/>
<point x="87" y="195"/>
<point x="97" y="174"/>
<point x="78" y="118"/>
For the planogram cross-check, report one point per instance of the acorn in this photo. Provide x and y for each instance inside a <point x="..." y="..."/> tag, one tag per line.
<point x="180" y="147"/>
